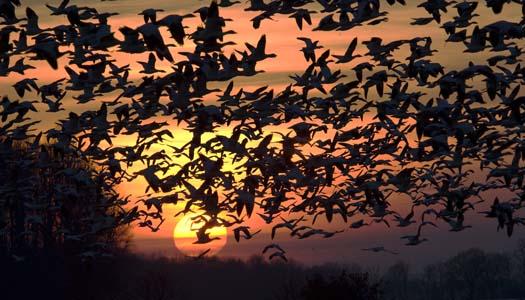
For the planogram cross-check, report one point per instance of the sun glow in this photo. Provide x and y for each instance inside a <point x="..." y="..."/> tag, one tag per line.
<point x="184" y="237"/>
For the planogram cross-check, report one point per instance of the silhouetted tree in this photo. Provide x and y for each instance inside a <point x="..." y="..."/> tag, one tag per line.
<point x="351" y="286"/>
<point x="475" y="274"/>
<point x="432" y="284"/>
<point x="395" y="281"/>
<point x="471" y="274"/>
<point x="55" y="204"/>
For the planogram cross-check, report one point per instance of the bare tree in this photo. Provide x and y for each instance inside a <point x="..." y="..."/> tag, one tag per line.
<point x="55" y="204"/>
<point x="395" y="281"/>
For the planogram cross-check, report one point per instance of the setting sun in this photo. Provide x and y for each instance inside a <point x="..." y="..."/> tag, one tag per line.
<point x="184" y="237"/>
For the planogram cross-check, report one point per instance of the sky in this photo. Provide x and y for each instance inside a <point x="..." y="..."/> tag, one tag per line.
<point x="282" y="40"/>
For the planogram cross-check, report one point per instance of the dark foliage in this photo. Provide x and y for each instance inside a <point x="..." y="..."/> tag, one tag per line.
<point x="53" y="204"/>
<point x="471" y="274"/>
<point x="351" y="286"/>
<point x="130" y="277"/>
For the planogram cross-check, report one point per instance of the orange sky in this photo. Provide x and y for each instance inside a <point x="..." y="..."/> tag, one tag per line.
<point x="281" y="39"/>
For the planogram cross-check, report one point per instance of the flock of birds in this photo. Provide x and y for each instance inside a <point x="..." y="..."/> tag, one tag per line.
<point x="356" y="140"/>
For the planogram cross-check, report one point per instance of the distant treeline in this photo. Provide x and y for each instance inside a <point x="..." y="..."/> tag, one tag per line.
<point x="471" y="274"/>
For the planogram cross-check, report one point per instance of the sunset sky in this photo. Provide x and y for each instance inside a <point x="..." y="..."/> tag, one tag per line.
<point x="281" y="39"/>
